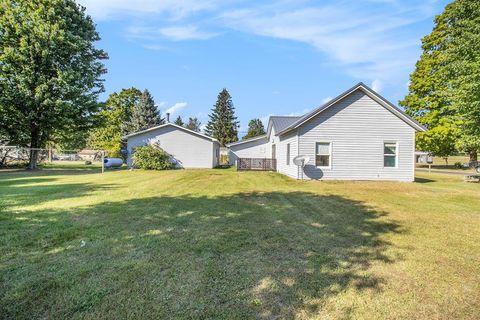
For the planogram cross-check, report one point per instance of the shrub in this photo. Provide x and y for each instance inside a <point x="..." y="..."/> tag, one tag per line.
<point x="151" y="158"/>
<point x="88" y="162"/>
<point x="458" y="165"/>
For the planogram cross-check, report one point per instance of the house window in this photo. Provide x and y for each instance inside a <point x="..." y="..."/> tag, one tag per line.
<point x="323" y="154"/>
<point x="288" y="154"/>
<point x="390" y="154"/>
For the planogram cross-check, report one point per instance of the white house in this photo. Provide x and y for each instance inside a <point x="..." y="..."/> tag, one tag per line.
<point x="358" y="135"/>
<point x="189" y="149"/>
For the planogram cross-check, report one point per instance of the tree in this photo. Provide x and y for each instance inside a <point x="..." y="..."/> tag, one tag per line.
<point x="50" y="74"/>
<point x="440" y="140"/>
<point x="255" y="128"/>
<point x="445" y="86"/>
<point x="463" y="69"/>
<point x="223" y="124"/>
<point x="193" y="124"/>
<point x="179" y="121"/>
<point x="145" y="114"/>
<point x="113" y="121"/>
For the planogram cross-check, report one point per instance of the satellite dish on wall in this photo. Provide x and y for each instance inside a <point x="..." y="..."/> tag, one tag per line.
<point x="301" y="161"/>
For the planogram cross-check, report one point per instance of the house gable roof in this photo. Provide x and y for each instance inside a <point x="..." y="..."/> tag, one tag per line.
<point x="264" y="136"/>
<point x="201" y="135"/>
<point x="369" y="92"/>
<point x="280" y="123"/>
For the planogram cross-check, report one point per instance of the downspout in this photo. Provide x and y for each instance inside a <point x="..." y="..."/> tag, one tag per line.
<point x="298" y="149"/>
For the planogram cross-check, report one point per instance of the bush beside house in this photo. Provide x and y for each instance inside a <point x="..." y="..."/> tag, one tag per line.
<point x="152" y="158"/>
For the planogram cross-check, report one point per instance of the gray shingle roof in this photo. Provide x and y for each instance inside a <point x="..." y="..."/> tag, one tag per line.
<point x="282" y="122"/>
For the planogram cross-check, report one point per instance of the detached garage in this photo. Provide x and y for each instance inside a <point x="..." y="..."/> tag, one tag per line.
<point x="188" y="148"/>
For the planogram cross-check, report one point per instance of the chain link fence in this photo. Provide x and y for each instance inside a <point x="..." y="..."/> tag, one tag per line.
<point x="18" y="157"/>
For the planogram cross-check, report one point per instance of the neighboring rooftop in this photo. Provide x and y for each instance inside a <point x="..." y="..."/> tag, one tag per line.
<point x="282" y="122"/>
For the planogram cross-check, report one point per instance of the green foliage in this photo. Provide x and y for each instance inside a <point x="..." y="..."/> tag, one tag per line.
<point x="255" y="128"/>
<point x="114" y="118"/>
<point x="179" y="121"/>
<point x="223" y="124"/>
<point x="50" y="74"/>
<point x="193" y="124"/>
<point x="151" y="158"/>
<point x="145" y="114"/>
<point x="439" y="140"/>
<point x="458" y="165"/>
<point x="445" y="86"/>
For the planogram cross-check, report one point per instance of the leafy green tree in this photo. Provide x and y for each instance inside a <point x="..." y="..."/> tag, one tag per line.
<point x="463" y="68"/>
<point x="179" y="121"/>
<point x="255" y="128"/>
<point x="440" y="140"/>
<point x="223" y="124"/>
<point x="445" y="86"/>
<point x="145" y="114"/>
<point x="193" y="124"/>
<point x="114" y="118"/>
<point x="50" y="70"/>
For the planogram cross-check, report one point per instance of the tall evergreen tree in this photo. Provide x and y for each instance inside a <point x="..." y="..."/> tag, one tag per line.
<point x="50" y="70"/>
<point x="179" y="121"/>
<point x="255" y="128"/>
<point x="145" y="114"/>
<point x="193" y="124"/>
<point x="223" y="124"/>
<point x="445" y="86"/>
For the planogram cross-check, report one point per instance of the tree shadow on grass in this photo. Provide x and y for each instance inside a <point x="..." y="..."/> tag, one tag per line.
<point x="34" y="190"/>
<point x="249" y="255"/>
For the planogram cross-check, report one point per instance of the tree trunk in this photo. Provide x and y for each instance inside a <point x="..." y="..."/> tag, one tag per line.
<point x="473" y="155"/>
<point x="446" y="160"/>
<point x="34" y="145"/>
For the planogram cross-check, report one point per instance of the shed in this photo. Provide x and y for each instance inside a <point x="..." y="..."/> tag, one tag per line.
<point x="189" y="149"/>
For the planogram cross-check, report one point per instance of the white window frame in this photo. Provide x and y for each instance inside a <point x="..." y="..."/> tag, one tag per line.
<point x="389" y="155"/>
<point x="288" y="154"/>
<point x="330" y="144"/>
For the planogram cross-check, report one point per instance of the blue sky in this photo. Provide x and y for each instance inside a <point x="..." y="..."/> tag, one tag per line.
<point x="275" y="57"/>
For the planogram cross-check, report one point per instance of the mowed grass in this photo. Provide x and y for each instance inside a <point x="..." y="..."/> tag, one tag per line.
<point x="221" y="244"/>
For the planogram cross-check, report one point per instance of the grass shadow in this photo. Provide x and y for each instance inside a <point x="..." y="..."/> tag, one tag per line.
<point x="423" y="180"/>
<point x="248" y="255"/>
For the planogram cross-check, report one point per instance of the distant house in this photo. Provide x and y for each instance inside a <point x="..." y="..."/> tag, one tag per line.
<point x="189" y="149"/>
<point x="89" y="154"/>
<point x="358" y="135"/>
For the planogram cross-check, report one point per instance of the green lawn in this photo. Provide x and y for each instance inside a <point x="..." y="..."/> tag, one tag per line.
<point x="203" y="244"/>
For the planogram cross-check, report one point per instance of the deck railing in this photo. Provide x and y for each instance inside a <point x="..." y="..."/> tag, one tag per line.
<point x="258" y="164"/>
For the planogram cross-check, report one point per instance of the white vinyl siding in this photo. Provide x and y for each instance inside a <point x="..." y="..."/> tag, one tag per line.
<point x="252" y="149"/>
<point x="282" y="143"/>
<point x="190" y="150"/>
<point x="357" y="128"/>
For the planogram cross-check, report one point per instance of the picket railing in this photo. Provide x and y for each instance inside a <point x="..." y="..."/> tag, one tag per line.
<point x="259" y="164"/>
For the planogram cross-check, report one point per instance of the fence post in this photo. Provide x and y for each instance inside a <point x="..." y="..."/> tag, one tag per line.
<point x="103" y="162"/>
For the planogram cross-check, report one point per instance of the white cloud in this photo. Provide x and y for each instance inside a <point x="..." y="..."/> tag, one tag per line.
<point x="175" y="9"/>
<point x="327" y="99"/>
<point x="377" y="85"/>
<point x="180" y="33"/>
<point x="174" y="33"/>
<point x="176" y="108"/>
<point x="369" y="39"/>
<point x="369" y="42"/>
